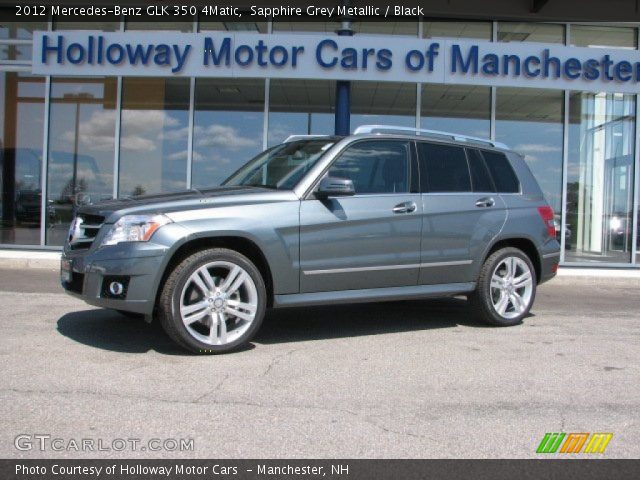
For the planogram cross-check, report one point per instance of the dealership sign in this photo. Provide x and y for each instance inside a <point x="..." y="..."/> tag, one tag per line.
<point x="375" y="58"/>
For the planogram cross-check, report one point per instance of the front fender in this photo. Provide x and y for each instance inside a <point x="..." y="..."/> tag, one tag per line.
<point x="273" y="228"/>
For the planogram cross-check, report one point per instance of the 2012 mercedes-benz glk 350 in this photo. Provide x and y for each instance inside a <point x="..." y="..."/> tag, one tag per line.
<point x="384" y="214"/>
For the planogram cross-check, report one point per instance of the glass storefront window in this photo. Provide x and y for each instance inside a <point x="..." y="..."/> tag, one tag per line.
<point x="462" y="109"/>
<point x="637" y="219"/>
<point x="383" y="103"/>
<point x="530" y="121"/>
<point x="18" y="31"/>
<point x="255" y="27"/>
<point x="530" y="32"/>
<point x="81" y="148"/>
<point x="305" y="27"/>
<point x="21" y="128"/>
<point x="300" y="107"/>
<point x="106" y="24"/>
<point x="600" y="177"/>
<point x="449" y="29"/>
<point x="228" y="125"/>
<point x="150" y="23"/>
<point x="409" y="28"/>
<point x="595" y="36"/>
<point x="154" y="135"/>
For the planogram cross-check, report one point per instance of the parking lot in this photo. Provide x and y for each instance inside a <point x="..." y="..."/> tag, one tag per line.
<point x="418" y="379"/>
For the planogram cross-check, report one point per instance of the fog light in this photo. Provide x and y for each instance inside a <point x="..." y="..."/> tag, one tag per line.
<point x="116" y="288"/>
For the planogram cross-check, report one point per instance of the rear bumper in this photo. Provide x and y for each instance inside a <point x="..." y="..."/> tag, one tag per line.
<point x="89" y="279"/>
<point x="549" y="266"/>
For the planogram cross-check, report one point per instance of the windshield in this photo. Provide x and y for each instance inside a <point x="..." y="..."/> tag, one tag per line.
<point x="281" y="167"/>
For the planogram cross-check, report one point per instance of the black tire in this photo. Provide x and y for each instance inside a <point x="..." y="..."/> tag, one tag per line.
<point x="170" y="297"/>
<point x="481" y="299"/>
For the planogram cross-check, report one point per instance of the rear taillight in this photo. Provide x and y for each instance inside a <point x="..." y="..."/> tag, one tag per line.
<point x="546" y="213"/>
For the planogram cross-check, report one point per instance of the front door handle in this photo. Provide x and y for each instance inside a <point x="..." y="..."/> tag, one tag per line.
<point x="485" y="202"/>
<point x="406" y="207"/>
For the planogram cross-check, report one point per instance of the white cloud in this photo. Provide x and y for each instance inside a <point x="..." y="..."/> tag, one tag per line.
<point x="221" y="136"/>
<point x="536" y="148"/>
<point x="142" y="129"/>
<point x="182" y="155"/>
<point x="175" y="135"/>
<point x="97" y="133"/>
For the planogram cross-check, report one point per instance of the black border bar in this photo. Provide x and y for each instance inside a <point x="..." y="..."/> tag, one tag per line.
<point x="501" y="10"/>
<point x="561" y="469"/>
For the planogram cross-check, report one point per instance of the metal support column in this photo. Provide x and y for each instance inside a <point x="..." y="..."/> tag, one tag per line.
<point x="636" y="176"/>
<point x="343" y="93"/>
<point x="45" y="164"/>
<point x="492" y="118"/>
<point x="44" y="167"/>
<point x="565" y="172"/>
<point x="565" y="158"/>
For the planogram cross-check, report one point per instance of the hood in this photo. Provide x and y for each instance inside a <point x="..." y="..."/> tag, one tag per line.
<point x="164" y="203"/>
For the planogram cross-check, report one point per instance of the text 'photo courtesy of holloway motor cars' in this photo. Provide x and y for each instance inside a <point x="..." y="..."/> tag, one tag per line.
<point x="388" y="213"/>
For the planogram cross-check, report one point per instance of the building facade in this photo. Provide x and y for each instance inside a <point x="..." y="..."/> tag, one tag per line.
<point x="66" y="138"/>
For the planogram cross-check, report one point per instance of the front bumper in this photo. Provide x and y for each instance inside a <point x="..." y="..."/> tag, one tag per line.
<point x="91" y="271"/>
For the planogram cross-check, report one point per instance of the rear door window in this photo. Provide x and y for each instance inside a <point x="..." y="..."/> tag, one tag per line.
<point x="443" y="168"/>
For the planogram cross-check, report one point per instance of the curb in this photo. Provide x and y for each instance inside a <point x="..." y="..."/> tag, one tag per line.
<point x="25" y="259"/>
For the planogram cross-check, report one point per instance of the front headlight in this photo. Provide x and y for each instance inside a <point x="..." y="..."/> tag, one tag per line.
<point x="134" y="228"/>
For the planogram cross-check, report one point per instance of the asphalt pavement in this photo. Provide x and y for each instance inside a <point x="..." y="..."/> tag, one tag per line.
<point x="419" y="379"/>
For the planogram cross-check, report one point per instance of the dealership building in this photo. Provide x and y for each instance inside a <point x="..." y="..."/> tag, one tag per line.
<point x="96" y="110"/>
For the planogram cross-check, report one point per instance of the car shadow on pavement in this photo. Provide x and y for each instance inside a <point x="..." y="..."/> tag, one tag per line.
<point x="353" y="320"/>
<point x="110" y="330"/>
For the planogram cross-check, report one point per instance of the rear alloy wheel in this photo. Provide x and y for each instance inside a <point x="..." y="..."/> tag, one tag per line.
<point x="213" y="301"/>
<point x="506" y="287"/>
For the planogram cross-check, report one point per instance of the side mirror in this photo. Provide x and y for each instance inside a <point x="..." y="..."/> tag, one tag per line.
<point x="335" y="187"/>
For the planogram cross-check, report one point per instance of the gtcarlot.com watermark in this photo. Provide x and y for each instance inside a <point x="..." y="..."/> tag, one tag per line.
<point x="46" y="442"/>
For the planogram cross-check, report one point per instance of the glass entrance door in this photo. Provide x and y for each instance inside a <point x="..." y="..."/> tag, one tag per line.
<point x="618" y="205"/>
<point x="600" y="178"/>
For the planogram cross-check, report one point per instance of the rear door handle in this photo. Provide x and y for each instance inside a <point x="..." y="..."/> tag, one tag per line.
<point x="406" y="207"/>
<point x="485" y="202"/>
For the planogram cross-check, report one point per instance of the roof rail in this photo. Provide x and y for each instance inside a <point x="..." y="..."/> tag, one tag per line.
<point x="293" y="138"/>
<point x="364" y="129"/>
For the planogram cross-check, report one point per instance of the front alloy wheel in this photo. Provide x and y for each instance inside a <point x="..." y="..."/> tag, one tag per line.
<point x="218" y="303"/>
<point x="213" y="301"/>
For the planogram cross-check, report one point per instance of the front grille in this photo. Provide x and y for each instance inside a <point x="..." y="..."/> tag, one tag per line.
<point x="84" y="229"/>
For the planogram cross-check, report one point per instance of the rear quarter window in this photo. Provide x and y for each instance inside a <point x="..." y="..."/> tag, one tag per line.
<point x="480" y="176"/>
<point x="502" y="172"/>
